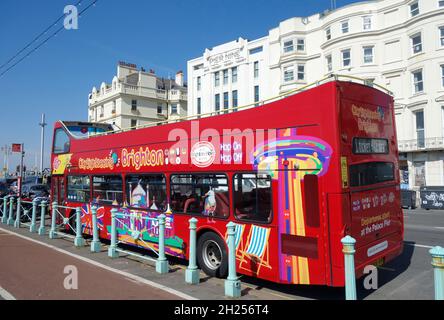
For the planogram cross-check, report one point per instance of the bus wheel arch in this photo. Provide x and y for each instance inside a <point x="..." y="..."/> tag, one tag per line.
<point x="212" y="254"/>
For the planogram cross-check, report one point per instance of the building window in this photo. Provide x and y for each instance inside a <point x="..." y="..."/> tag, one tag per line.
<point x="133" y="105"/>
<point x="369" y="82"/>
<point x="102" y="111"/>
<point x="199" y="83"/>
<point x="414" y="9"/>
<point x="328" y="33"/>
<point x="416" y="43"/>
<point x="420" y="136"/>
<point x="226" y="102"/>
<point x="288" y="46"/>
<point x="346" y="58"/>
<point x="256" y="69"/>
<point x="367" y="22"/>
<point x="199" y="105"/>
<point x="441" y="36"/>
<point x="301" y="72"/>
<point x="133" y="124"/>
<point x="217" y="102"/>
<point x="234" y="75"/>
<point x="442" y="75"/>
<point x="288" y="73"/>
<point x="216" y="79"/>
<point x="300" y="45"/>
<point x="159" y="109"/>
<point x="441" y="3"/>
<point x="113" y="110"/>
<point x="418" y="83"/>
<point x="234" y="98"/>
<point x="256" y="50"/>
<point x="368" y="54"/>
<point x="225" y="76"/>
<point x="329" y="63"/>
<point x="256" y="93"/>
<point x="344" y="27"/>
<point x="174" y="108"/>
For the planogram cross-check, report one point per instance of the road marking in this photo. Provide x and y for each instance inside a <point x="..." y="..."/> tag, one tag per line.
<point x="97" y="264"/>
<point x="6" y="295"/>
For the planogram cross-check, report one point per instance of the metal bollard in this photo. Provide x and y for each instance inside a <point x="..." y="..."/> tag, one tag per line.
<point x="42" y="229"/>
<point x="18" y="213"/>
<point x="348" y="249"/>
<point x="438" y="266"/>
<point x="192" y="273"/>
<point x="11" y="211"/>
<point x="95" y="243"/>
<point x="52" y="231"/>
<point x="5" y="210"/>
<point x="112" y="252"/>
<point x="232" y="283"/>
<point x="32" y="227"/>
<point x="78" y="240"/>
<point x="162" y="262"/>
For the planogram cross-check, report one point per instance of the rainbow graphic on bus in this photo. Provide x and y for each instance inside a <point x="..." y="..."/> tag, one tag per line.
<point x="303" y="155"/>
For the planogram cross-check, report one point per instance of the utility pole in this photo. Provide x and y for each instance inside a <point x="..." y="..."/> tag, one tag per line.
<point x="42" y="142"/>
<point x="6" y="153"/>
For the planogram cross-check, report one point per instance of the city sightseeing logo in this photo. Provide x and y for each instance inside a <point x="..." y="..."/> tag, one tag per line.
<point x="203" y="154"/>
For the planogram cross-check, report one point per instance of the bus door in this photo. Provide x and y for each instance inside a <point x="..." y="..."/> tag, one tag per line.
<point x="58" y="195"/>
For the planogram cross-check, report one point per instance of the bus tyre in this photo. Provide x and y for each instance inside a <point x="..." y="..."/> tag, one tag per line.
<point x="212" y="255"/>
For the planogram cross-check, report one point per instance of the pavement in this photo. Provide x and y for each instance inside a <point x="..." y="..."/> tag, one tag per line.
<point x="26" y="274"/>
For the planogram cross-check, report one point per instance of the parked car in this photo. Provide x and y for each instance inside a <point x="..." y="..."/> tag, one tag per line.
<point x="31" y="180"/>
<point x="35" y="191"/>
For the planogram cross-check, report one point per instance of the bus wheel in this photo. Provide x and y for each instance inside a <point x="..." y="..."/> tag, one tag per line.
<point x="212" y="255"/>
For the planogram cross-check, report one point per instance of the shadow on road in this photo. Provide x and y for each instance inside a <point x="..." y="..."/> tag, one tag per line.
<point x="386" y="274"/>
<point x="389" y="271"/>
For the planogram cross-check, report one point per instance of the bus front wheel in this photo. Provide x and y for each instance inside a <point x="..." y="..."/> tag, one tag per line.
<point x="212" y="255"/>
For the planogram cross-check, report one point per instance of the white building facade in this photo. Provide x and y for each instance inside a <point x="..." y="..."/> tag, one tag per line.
<point x="136" y="98"/>
<point x="397" y="44"/>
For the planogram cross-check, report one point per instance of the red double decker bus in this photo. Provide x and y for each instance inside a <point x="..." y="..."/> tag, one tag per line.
<point x="295" y="176"/>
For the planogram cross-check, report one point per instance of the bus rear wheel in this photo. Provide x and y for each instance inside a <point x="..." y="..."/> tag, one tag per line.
<point x="212" y="255"/>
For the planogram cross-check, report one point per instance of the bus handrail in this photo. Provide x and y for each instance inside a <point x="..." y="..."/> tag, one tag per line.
<point x="331" y="76"/>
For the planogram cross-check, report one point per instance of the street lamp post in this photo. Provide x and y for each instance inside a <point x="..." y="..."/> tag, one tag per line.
<point x="42" y="142"/>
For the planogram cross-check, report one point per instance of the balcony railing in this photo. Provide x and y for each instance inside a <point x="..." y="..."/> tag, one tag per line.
<point x="421" y="144"/>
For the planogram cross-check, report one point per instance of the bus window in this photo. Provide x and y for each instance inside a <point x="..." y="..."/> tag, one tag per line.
<point x="61" y="142"/>
<point x="108" y="190"/>
<point x="371" y="173"/>
<point x="205" y="194"/>
<point x="252" y="197"/>
<point x="146" y="191"/>
<point x="78" y="188"/>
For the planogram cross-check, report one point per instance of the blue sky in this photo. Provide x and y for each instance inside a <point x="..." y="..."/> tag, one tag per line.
<point x="159" y="35"/>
